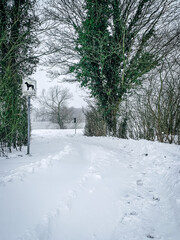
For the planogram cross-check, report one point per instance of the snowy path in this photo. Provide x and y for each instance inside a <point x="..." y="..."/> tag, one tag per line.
<point x="79" y="188"/>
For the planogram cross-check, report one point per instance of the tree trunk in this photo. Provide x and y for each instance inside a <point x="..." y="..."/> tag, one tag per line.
<point x="111" y="121"/>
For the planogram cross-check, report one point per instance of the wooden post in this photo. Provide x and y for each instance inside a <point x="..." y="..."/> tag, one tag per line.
<point x="75" y="124"/>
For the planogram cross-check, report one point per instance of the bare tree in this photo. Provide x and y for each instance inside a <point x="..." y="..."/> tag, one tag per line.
<point x="154" y="110"/>
<point x="164" y="102"/>
<point x="55" y="100"/>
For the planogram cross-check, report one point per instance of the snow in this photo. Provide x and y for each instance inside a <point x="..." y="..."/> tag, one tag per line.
<point x="74" y="187"/>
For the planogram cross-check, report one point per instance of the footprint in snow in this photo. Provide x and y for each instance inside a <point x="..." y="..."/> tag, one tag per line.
<point x="139" y="182"/>
<point x="97" y="176"/>
<point x="130" y="166"/>
<point x="94" y="236"/>
<point x="156" y="199"/>
<point x="150" y="236"/>
<point x="92" y="190"/>
<point x="133" y="213"/>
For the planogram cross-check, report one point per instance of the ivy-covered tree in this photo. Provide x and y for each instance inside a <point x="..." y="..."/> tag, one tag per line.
<point x="17" y="60"/>
<point x="116" y="42"/>
<point x="114" y="48"/>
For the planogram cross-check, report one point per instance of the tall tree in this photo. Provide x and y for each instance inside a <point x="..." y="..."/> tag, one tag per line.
<point x="115" y="42"/>
<point x="17" y="60"/>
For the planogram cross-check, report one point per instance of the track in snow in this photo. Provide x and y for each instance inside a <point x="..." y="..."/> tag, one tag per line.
<point x="93" y="188"/>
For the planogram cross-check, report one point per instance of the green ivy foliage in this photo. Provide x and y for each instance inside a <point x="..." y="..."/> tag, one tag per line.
<point x="113" y="54"/>
<point x="17" y="60"/>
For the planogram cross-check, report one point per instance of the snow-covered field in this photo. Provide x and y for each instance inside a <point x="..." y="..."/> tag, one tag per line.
<point x="79" y="188"/>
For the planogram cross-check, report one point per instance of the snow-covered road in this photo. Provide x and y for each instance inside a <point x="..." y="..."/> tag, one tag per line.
<point x="80" y="188"/>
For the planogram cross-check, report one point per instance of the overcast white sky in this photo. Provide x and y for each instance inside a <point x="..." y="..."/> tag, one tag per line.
<point x="43" y="82"/>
